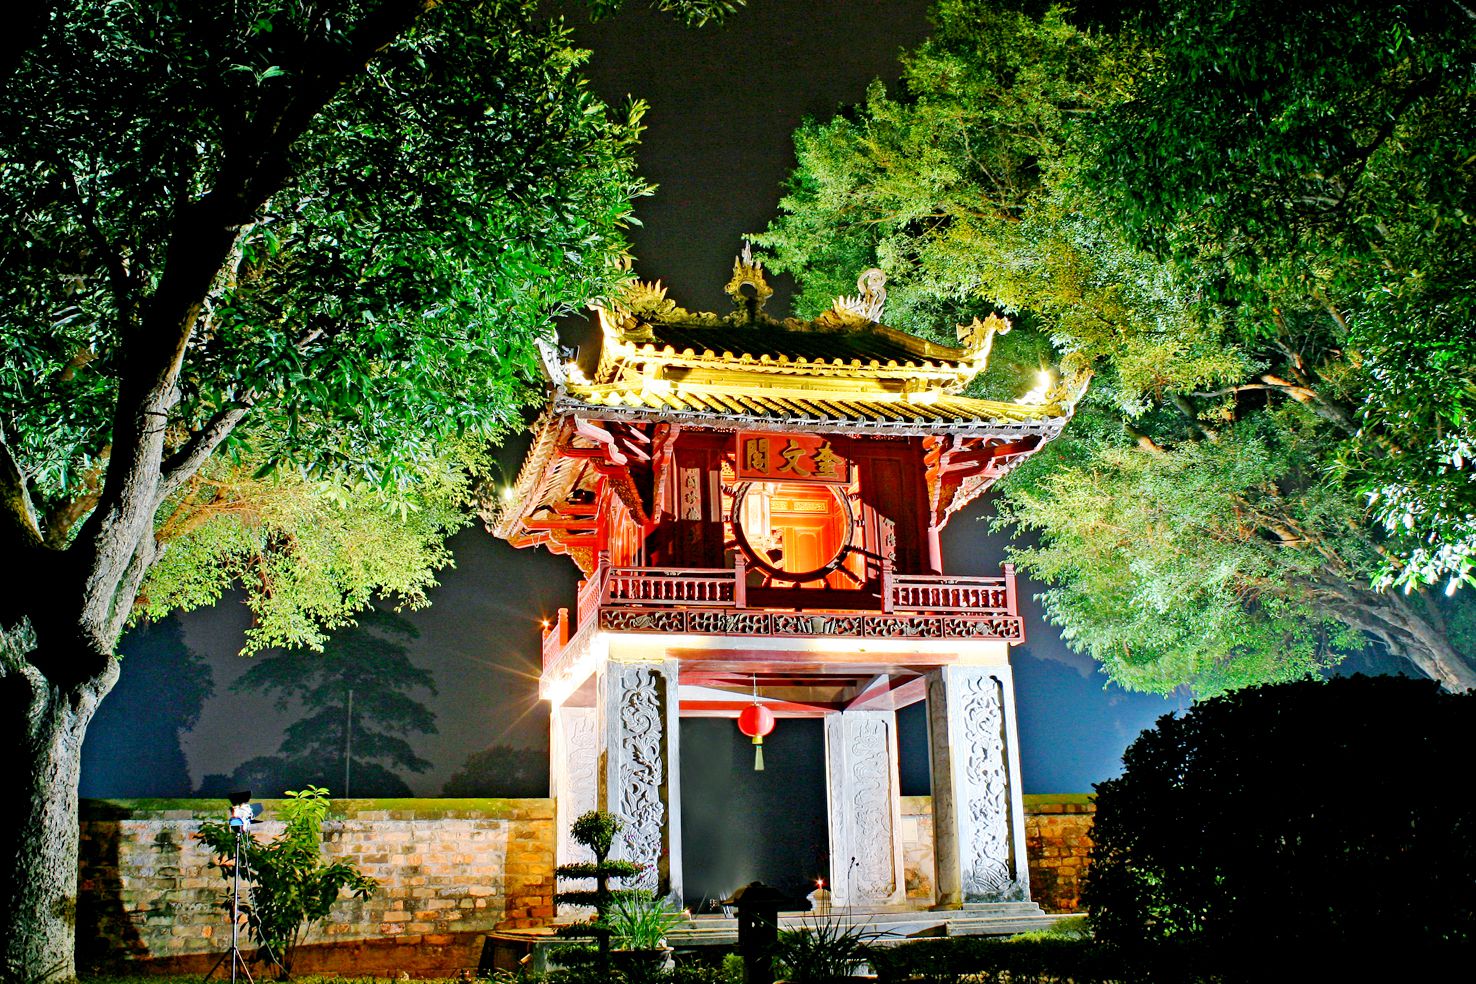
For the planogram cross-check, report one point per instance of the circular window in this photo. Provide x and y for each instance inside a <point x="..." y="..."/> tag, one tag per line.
<point x="793" y="531"/>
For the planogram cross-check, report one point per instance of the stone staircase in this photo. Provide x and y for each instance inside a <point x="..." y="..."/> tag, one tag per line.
<point x="979" y="919"/>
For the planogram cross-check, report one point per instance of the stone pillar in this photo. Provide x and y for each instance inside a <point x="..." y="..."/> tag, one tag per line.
<point x="573" y="783"/>
<point x="640" y="768"/>
<point x="865" y="809"/>
<point x="978" y="813"/>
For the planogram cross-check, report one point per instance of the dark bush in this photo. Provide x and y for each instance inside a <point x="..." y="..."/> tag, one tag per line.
<point x="988" y="960"/>
<point x="1316" y="817"/>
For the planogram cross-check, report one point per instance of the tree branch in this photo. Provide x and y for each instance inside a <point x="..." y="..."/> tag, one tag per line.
<point x="117" y="267"/>
<point x="1191" y="417"/>
<point x="1324" y="408"/>
<point x="64" y="515"/>
<point x="182" y="465"/>
<point x="138" y="480"/>
<point x="18" y="523"/>
<point x="132" y="581"/>
<point x="1144" y="441"/>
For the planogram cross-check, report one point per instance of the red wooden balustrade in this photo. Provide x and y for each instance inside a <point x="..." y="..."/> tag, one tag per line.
<point x="941" y="593"/>
<point x="555" y="636"/>
<point x="700" y="586"/>
<point x="705" y="587"/>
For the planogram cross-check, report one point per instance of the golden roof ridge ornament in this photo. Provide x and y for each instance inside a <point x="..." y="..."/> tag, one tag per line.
<point x="748" y="272"/>
<point x="870" y="299"/>
<point x="977" y="337"/>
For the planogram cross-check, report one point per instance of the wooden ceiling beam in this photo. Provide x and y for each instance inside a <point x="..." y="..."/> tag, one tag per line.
<point x="897" y="693"/>
<point x="732" y="708"/>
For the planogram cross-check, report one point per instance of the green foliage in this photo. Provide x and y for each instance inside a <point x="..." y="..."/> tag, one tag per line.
<point x="1272" y="353"/>
<point x="371" y="325"/>
<point x="639" y="920"/>
<point x="291" y="888"/>
<point x="596" y="830"/>
<point x="1158" y="560"/>
<point x="732" y="968"/>
<point x="1311" y="816"/>
<point x="694" y="13"/>
<point x="1328" y="203"/>
<point x="310" y="554"/>
<point x="1018" y="960"/>
<point x="822" y="952"/>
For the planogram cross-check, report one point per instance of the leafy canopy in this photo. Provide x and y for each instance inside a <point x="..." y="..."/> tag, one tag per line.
<point x="373" y="325"/>
<point x="1206" y="518"/>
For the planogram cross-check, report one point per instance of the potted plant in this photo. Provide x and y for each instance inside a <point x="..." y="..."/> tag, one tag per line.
<point x="824" y="952"/>
<point x="638" y="921"/>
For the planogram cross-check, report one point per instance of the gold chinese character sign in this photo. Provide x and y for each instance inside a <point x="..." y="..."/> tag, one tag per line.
<point x="790" y="458"/>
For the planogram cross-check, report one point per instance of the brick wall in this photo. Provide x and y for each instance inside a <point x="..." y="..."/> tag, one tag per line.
<point x="1057" y="838"/>
<point x="917" y="848"/>
<point x="449" y="871"/>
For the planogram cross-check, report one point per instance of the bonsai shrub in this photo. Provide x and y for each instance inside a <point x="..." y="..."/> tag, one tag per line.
<point x="1321" y="816"/>
<point x="291" y="888"/>
<point x="596" y="830"/>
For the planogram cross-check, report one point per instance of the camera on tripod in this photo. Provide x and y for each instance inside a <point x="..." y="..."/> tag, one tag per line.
<point x="241" y="814"/>
<point x="242" y="811"/>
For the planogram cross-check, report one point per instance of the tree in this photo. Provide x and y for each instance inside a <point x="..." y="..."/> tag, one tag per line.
<point x="247" y="246"/>
<point x="1205" y="519"/>
<point x="501" y="770"/>
<point x="1327" y="803"/>
<point x="144" y="729"/>
<point x="1331" y="210"/>
<point x="362" y="681"/>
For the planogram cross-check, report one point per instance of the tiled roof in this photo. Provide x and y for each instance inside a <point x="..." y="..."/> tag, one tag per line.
<point x="772" y="344"/>
<point x="945" y="410"/>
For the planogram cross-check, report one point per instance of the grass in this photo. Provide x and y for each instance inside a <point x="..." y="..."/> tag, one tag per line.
<point x="207" y="808"/>
<point x="1079" y="799"/>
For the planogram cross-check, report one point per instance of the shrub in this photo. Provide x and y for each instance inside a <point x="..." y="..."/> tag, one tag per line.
<point x="823" y="952"/>
<point x="1021" y="960"/>
<point x="596" y="830"/>
<point x="1313" y="815"/>
<point x="291" y="888"/>
<point x="639" y="919"/>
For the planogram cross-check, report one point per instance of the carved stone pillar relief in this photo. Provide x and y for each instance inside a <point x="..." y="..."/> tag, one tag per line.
<point x="574" y="783"/>
<point x="640" y="769"/>
<point x="865" y="812"/>
<point x="978" y="819"/>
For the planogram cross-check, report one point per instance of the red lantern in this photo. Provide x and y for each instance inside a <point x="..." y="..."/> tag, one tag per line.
<point x="756" y="720"/>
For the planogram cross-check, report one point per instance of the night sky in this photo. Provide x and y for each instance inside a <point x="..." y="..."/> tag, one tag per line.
<point x="723" y="104"/>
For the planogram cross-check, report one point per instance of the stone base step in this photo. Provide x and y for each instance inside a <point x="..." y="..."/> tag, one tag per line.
<point x="984" y="919"/>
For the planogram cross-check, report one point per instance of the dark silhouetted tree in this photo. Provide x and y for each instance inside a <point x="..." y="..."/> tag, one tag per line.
<point x="133" y="747"/>
<point x="501" y="770"/>
<point x="1325" y="816"/>
<point x="371" y="661"/>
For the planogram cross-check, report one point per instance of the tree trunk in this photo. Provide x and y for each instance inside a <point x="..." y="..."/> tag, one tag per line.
<point x="42" y="725"/>
<point x="1416" y="633"/>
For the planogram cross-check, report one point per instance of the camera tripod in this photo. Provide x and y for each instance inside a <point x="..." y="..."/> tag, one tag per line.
<point x="233" y="954"/>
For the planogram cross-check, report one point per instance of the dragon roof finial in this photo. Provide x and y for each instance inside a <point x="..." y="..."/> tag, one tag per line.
<point x="748" y="273"/>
